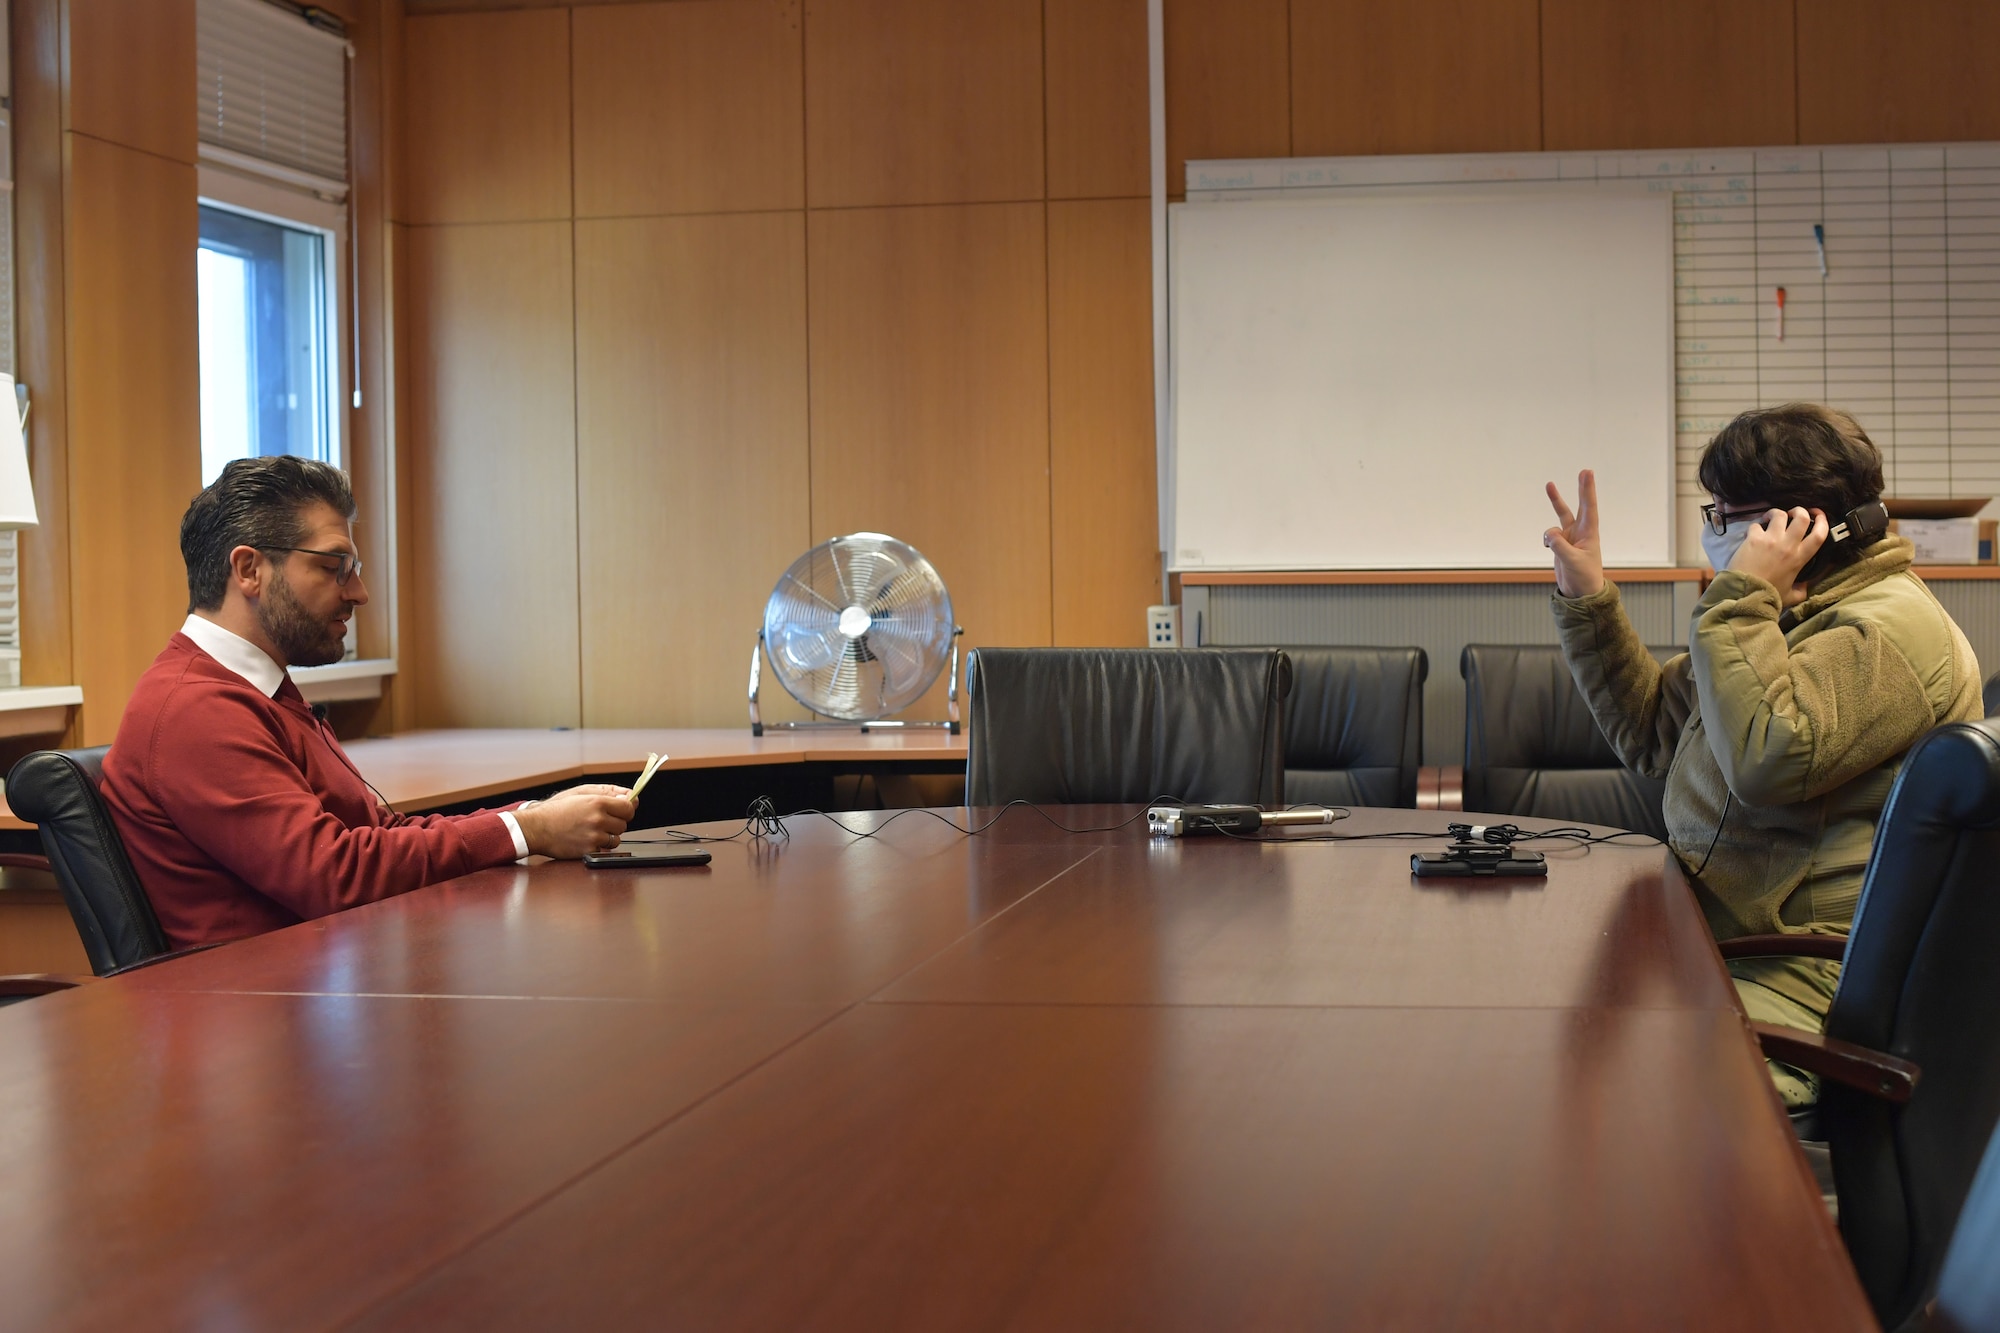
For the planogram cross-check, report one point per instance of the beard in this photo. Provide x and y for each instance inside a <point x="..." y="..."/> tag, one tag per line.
<point x="303" y="639"/>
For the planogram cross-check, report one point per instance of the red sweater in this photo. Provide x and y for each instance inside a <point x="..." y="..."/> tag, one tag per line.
<point x="242" y="814"/>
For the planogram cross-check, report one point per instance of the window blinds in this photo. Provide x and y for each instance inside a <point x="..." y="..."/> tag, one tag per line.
<point x="10" y="601"/>
<point x="273" y="88"/>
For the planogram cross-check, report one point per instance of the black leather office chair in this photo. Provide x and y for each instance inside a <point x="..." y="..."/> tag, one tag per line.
<point x="1990" y="696"/>
<point x="1911" y="1054"/>
<point x="57" y="791"/>
<point x="1354" y="725"/>
<point x="1968" y="1297"/>
<point x="1085" y="725"/>
<point x="1532" y="747"/>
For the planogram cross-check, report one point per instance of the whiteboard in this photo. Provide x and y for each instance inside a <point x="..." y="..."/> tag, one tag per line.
<point x="1383" y="379"/>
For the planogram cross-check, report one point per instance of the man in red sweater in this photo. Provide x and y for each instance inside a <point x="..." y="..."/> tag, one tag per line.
<point x="237" y="806"/>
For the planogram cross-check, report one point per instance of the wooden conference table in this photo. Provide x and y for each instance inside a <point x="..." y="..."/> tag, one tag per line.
<point x="1022" y="1080"/>
<point x="423" y="770"/>
<point x="711" y="773"/>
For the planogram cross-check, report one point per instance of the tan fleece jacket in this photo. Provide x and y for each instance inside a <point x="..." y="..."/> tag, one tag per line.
<point x="1797" y="721"/>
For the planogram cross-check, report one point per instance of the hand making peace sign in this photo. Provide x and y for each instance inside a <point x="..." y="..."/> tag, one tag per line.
<point x="1579" y="554"/>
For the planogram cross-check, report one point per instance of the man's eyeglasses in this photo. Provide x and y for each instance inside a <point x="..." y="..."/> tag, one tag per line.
<point x="1719" y="519"/>
<point x="349" y="563"/>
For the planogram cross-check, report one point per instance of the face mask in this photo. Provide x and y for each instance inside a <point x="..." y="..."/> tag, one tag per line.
<point x="1721" y="547"/>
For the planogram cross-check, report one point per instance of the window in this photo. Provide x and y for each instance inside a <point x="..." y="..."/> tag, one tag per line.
<point x="273" y="268"/>
<point x="270" y="362"/>
<point x="271" y="113"/>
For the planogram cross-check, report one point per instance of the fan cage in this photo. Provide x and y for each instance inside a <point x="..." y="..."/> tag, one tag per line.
<point x="858" y="628"/>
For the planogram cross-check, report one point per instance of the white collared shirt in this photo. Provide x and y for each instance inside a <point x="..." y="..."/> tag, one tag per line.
<point x="255" y="665"/>
<point x="237" y="653"/>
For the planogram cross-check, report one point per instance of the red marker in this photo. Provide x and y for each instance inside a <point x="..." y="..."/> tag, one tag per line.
<point x="1781" y="314"/>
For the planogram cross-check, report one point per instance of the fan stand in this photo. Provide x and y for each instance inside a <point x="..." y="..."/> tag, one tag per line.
<point x="758" y="724"/>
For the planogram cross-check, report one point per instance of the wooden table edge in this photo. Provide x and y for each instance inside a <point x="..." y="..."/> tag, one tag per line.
<point x="1826" y="1230"/>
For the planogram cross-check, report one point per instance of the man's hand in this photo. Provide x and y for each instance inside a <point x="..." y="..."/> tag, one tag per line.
<point x="1777" y="549"/>
<point x="1579" y="554"/>
<point x="582" y="819"/>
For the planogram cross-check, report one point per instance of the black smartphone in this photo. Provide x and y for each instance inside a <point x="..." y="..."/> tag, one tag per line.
<point x="1475" y="861"/>
<point x="644" y="860"/>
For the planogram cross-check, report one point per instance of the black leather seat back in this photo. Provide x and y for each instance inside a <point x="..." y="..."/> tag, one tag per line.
<point x="57" y="791"/>
<point x="1354" y="725"/>
<point x="1532" y="747"/>
<point x="1083" y="725"/>
<point x="1968" y="1295"/>
<point x="1921" y="981"/>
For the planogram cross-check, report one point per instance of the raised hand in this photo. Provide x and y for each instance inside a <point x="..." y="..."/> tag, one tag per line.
<point x="1574" y="541"/>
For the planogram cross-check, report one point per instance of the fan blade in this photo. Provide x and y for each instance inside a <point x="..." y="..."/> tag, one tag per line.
<point x="894" y="594"/>
<point x="878" y="677"/>
<point x="897" y="658"/>
<point x="845" y="692"/>
<point x="843" y="578"/>
<point x="880" y="570"/>
<point x="804" y="647"/>
<point x="809" y="591"/>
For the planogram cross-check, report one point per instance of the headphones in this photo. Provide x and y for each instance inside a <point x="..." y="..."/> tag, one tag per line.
<point x="1858" y="527"/>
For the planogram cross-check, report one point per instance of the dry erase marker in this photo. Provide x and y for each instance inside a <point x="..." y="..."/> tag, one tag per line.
<point x="1781" y="314"/>
<point x="1819" y="239"/>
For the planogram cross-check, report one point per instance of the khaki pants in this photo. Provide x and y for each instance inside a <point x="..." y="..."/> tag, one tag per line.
<point x="1793" y="993"/>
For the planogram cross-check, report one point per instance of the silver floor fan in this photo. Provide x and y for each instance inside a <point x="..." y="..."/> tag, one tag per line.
<point x="858" y="628"/>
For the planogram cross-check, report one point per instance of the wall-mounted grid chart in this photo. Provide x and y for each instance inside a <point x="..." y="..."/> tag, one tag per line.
<point x="1902" y="328"/>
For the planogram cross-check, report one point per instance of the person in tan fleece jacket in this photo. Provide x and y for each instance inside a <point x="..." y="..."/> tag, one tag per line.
<point x="1780" y="731"/>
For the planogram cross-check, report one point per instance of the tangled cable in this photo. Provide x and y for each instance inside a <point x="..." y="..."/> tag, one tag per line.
<point x="1502" y="835"/>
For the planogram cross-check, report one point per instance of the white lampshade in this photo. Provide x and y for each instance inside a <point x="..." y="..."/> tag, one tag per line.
<point x="17" y="492"/>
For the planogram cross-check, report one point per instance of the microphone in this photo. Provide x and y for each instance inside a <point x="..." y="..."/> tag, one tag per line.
<point x="1178" y="821"/>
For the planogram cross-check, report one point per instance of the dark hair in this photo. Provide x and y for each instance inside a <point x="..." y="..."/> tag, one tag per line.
<point x="258" y="502"/>
<point x="1800" y="454"/>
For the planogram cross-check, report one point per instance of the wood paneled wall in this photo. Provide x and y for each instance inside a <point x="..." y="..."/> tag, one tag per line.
<point x="106" y="240"/>
<point x="693" y="285"/>
<point x="1270" y="78"/>
<point x="682" y="286"/>
<point x="843" y="264"/>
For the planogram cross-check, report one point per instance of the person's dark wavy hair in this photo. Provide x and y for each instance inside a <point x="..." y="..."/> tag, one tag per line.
<point x="258" y="502"/>
<point x="1800" y="454"/>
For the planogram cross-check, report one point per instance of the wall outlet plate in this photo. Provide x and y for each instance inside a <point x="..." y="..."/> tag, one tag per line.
<point x="1163" y="627"/>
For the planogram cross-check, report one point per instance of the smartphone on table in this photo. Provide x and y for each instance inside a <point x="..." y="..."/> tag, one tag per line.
<point x="646" y="860"/>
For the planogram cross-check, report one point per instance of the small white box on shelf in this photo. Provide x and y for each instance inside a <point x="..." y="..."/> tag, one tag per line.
<point x="1943" y="541"/>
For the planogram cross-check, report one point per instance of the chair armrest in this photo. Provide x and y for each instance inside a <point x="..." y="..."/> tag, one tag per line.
<point x="1858" y="1067"/>
<point x="23" y="861"/>
<point x="1785" y="946"/>
<point x="41" y="983"/>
